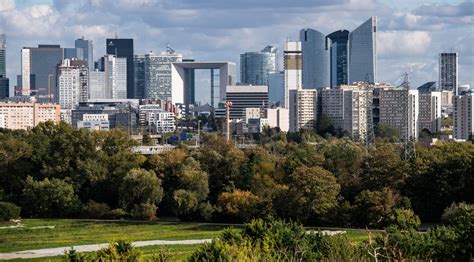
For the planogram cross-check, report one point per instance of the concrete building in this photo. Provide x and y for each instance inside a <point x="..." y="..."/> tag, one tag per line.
<point x="276" y="88"/>
<point x="338" y="57"/>
<point x="256" y="66"/>
<point x="27" y="115"/>
<point x="94" y="122"/>
<point x="292" y="63"/>
<point x="97" y="85"/>
<point x="315" y="56"/>
<point x="121" y="113"/>
<point x="278" y="117"/>
<point x="463" y="116"/>
<point x="303" y="109"/>
<point x="429" y="116"/>
<point x="72" y="86"/>
<point x="447" y="102"/>
<point x="243" y="97"/>
<point x="362" y="52"/>
<point x="154" y="116"/>
<point x="122" y="48"/>
<point x="448" y="72"/>
<point x="399" y="109"/>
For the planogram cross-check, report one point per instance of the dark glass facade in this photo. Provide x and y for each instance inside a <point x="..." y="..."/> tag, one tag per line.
<point x="43" y="62"/>
<point x="256" y="66"/>
<point x="338" y="57"/>
<point x="87" y="51"/>
<point x="4" y="87"/>
<point x="122" y="47"/>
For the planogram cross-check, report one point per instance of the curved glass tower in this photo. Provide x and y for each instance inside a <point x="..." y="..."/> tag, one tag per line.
<point x="256" y="66"/>
<point x="363" y="52"/>
<point x="338" y="60"/>
<point x="315" y="59"/>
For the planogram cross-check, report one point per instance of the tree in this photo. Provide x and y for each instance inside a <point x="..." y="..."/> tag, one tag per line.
<point x="238" y="205"/>
<point x="49" y="198"/>
<point x="140" y="187"/>
<point x="403" y="219"/>
<point x="311" y="194"/>
<point x="373" y="208"/>
<point x="385" y="131"/>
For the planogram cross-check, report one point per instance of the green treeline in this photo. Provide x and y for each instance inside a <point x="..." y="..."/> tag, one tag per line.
<point x="58" y="171"/>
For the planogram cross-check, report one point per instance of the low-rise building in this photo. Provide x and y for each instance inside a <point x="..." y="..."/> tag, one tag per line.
<point x="27" y="115"/>
<point x="94" y="122"/>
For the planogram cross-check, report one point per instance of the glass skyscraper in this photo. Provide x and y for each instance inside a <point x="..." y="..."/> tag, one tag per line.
<point x="123" y="48"/>
<point x="338" y="57"/>
<point x="315" y="59"/>
<point x="87" y="51"/>
<point x="363" y="52"/>
<point x="256" y="66"/>
<point x="3" y="54"/>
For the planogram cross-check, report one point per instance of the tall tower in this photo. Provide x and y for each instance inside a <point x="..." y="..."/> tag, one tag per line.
<point x="3" y="54"/>
<point x="338" y="57"/>
<point x="87" y="51"/>
<point x="448" y="72"/>
<point x="315" y="56"/>
<point x="256" y="66"/>
<point x="292" y="65"/>
<point x="123" y="48"/>
<point x="363" y="52"/>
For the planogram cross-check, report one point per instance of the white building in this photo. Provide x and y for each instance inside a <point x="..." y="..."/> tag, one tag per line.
<point x="278" y="117"/>
<point x="154" y="115"/>
<point x="463" y="116"/>
<point x="303" y="109"/>
<point x="97" y="85"/>
<point x="399" y="110"/>
<point x="94" y="122"/>
<point x="292" y="62"/>
<point x="72" y="86"/>
<point x="116" y="77"/>
<point x="447" y="102"/>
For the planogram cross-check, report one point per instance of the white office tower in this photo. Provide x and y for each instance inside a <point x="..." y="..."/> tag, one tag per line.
<point x="157" y="74"/>
<point x="116" y="77"/>
<point x="292" y="63"/>
<point x="72" y="86"/>
<point x="303" y="109"/>
<point x="278" y="117"/>
<point x="97" y="85"/>
<point x="399" y="110"/>
<point x="350" y="109"/>
<point x="429" y="116"/>
<point x="463" y="116"/>
<point x="448" y="72"/>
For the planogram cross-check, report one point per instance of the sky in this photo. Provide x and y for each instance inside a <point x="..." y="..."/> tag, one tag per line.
<point x="410" y="34"/>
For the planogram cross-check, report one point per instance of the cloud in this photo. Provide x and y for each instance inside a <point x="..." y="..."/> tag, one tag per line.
<point x="460" y="10"/>
<point x="403" y="43"/>
<point x="6" y="5"/>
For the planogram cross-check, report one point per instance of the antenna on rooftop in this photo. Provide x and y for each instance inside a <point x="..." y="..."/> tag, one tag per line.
<point x="169" y="50"/>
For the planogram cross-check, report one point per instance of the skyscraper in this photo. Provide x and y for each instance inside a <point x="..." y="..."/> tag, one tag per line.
<point x="97" y="85"/>
<point x="315" y="59"/>
<point x="4" y="87"/>
<point x="3" y="55"/>
<point x="292" y="65"/>
<point x="87" y="51"/>
<point x="38" y="71"/>
<point x="363" y="52"/>
<point x="276" y="88"/>
<point x="123" y="48"/>
<point x="338" y="57"/>
<point x="139" y="75"/>
<point x="116" y="77"/>
<point x="463" y="116"/>
<point x="448" y="72"/>
<point x="256" y="66"/>
<point x="72" y="86"/>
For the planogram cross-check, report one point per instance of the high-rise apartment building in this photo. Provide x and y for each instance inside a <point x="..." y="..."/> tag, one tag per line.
<point x="3" y="56"/>
<point x="276" y="88"/>
<point x="399" y="109"/>
<point x="72" y="86"/>
<point x="362" y="52"/>
<point x="315" y="55"/>
<point x="38" y="71"/>
<point x="87" y="51"/>
<point x="338" y="57"/>
<point x="27" y="115"/>
<point x="256" y="66"/>
<point x="243" y="97"/>
<point x="123" y="48"/>
<point x="463" y="116"/>
<point x="429" y="116"/>
<point x="303" y="109"/>
<point x="292" y="63"/>
<point x="448" y="72"/>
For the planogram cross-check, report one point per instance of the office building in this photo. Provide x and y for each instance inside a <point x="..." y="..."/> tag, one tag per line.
<point x="292" y="63"/>
<point x="26" y="115"/>
<point x="362" y="52"/>
<point x="276" y="88"/>
<point x="72" y="86"/>
<point x="153" y="116"/>
<point x="278" y="117"/>
<point x="121" y="113"/>
<point x="303" y="109"/>
<point x="463" y="116"/>
<point x="338" y="57"/>
<point x="97" y="85"/>
<point x="243" y="97"/>
<point x="315" y="59"/>
<point x="86" y="47"/>
<point x="448" y="72"/>
<point x="429" y="116"/>
<point x="256" y="66"/>
<point x="4" y="87"/>
<point x="3" y="56"/>
<point x="94" y="122"/>
<point x="116" y="77"/>
<point x="139" y="76"/>
<point x="38" y="71"/>
<point x="123" y="48"/>
<point x="73" y="53"/>
<point x="399" y="109"/>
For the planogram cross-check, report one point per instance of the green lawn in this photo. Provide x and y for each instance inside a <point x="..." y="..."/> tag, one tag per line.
<point x="67" y="232"/>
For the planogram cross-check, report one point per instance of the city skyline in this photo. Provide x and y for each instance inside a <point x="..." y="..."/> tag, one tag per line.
<point x="410" y="35"/>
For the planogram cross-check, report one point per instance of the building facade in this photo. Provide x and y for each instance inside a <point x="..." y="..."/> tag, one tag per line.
<point x="303" y="109"/>
<point x="72" y="81"/>
<point x="94" y="122"/>
<point x="27" y="115"/>
<point x="139" y="75"/>
<point x="279" y="117"/>
<point x="116" y="77"/>
<point x="256" y="66"/>
<point x="276" y="88"/>
<point x="123" y="48"/>
<point x="154" y="116"/>
<point x="3" y="55"/>
<point x="448" y="72"/>
<point x="362" y="53"/>
<point x="338" y="58"/>
<point x="315" y="55"/>
<point x="429" y="116"/>
<point x="97" y="85"/>
<point x="292" y="63"/>
<point x="87" y="51"/>
<point x="243" y="97"/>
<point x="121" y="114"/>
<point x="4" y="87"/>
<point x="463" y="116"/>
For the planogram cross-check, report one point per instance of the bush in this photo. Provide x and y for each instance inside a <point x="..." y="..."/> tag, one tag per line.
<point x="143" y="211"/>
<point x="117" y="213"/>
<point x="95" y="210"/>
<point x="120" y="250"/>
<point x="461" y="214"/>
<point x="9" y="211"/>
<point x="404" y="219"/>
<point x="238" y="205"/>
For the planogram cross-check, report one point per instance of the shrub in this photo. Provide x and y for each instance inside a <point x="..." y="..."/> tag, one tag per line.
<point x="117" y="213"/>
<point x="238" y="205"/>
<point x="404" y="219"/>
<point x="120" y="250"/>
<point x="460" y="214"/>
<point x="95" y="210"/>
<point x="143" y="211"/>
<point x="9" y="211"/>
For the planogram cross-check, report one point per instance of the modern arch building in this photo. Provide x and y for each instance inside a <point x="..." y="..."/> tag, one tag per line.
<point x="182" y="80"/>
<point x="315" y="59"/>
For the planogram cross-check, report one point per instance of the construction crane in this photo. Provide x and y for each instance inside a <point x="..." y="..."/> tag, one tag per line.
<point x="169" y="50"/>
